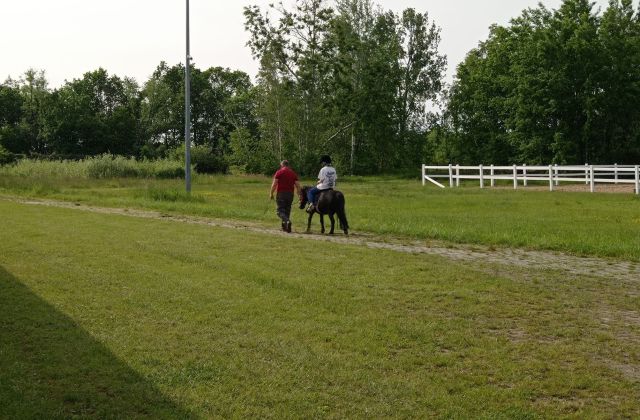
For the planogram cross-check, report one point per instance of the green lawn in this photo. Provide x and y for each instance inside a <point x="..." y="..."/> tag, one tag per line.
<point x="113" y="316"/>
<point x="606" y="225"/>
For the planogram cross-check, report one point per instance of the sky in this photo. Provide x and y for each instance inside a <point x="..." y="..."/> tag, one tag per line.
<point x="67" y="38"/>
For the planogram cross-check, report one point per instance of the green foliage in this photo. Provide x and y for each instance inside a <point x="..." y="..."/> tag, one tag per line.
<point x="221" y="102"/>
<point x="251" y="153"/>
<point x="349" y="79"/>
<point x="321" y="89"/>
<point x="6" y="157"/>
<point x="206" y="161"/>
<point x="553" y="86"/>
<point x="203" y="159"/>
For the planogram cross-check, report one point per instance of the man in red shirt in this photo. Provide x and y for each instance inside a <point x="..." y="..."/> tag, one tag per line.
<point x="285" y="182"/>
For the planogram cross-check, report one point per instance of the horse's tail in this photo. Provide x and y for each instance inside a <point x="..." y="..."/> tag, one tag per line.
<point x="342" y="215"/>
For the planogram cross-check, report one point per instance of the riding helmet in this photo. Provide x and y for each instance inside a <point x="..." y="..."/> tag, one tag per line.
<point x="325" y="159"/>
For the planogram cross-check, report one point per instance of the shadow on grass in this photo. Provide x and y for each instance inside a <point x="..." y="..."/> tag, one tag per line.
<point x="51" y="368"/>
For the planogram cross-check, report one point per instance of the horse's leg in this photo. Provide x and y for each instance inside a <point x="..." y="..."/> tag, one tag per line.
<point x="322" y="222"/>
<point x="309" y="223"/>
<point x="333" y="223"/>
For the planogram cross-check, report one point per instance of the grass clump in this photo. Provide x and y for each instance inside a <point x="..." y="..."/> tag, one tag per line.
<point x="171" y="195"/>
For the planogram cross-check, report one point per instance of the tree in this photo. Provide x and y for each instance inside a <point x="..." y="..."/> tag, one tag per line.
<point x="554" y="86"/>
<point x="94" y="115"/>
<point x="341" y="81"/>
<point x="11" y="106"/>
<point x="422" y="71"/>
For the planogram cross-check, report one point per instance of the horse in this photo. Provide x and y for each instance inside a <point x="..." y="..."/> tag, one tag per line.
<point x="330" y="202"/>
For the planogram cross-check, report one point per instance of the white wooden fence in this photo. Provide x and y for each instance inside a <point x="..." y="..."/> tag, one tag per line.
<point x="523" y="175"/>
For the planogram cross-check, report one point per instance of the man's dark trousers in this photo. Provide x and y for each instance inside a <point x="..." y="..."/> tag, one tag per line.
<point x="284" y="201"/>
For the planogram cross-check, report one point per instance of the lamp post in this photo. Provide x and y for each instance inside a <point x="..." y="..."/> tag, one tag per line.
<point x="187" y="112"/>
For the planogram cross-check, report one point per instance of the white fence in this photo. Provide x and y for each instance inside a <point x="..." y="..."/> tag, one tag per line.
<point x="522" y="175"/>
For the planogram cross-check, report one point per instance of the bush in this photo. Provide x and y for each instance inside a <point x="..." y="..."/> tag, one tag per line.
<point x="207" y="162"/>
<point x="6" y="157"/>
<point x="203" y="159"/>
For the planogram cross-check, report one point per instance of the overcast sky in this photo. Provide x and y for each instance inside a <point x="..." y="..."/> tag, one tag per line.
<point x="67" y="38"/>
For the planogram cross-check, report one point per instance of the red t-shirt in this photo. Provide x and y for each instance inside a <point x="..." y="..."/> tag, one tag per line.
<point x="286" y="179"/>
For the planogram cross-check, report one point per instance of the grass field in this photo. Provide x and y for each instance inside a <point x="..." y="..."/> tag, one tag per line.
<point x="112" y="316"/>
<point x="605" y="225"/>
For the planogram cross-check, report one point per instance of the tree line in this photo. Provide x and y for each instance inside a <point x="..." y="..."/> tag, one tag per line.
<point x="348" y="78"/>
<point x="555" y="86"/>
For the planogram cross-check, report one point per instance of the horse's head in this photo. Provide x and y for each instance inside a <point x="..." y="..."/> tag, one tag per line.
<point x="303" y="196"/>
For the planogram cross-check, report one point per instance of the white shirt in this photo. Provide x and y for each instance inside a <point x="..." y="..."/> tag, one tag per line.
<point x="327" y="178"/>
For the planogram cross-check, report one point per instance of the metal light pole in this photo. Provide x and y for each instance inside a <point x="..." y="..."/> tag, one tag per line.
<point x="187" y="112"/>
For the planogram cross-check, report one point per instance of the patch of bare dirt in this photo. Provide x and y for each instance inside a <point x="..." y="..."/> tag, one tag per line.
<point x="592" y="266"/>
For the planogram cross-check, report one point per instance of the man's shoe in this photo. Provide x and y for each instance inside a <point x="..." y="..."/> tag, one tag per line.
<point x="288" y="227"/>
<point x="311" y="208"/>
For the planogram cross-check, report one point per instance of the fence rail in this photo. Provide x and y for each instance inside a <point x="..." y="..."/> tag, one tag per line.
<point x="522" y="175"/>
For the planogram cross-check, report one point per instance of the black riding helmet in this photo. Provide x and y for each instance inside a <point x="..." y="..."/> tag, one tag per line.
<point x="325" y="159"/>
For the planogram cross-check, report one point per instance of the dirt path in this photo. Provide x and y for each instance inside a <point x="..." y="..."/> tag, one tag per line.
<point x="525" y="259"/>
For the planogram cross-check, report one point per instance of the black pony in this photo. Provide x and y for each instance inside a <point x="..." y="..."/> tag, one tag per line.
<point x="330" y="202"/>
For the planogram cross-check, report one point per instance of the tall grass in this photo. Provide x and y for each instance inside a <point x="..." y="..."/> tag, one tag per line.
<point x="99" y="167"/>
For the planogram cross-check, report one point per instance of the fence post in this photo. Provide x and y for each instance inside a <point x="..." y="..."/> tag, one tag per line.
<point x="586" y="174"/>
<point x="481" y="176"/>
<point x="458" y="175"/>
<point x="515" y="177"/>
<point x="493" y="172"/>
<point x="550" y="178"/>
<point x="555" y="174"/>
<point x="424" y="181"/>
<point x="637" y="179"/>
<point x="524" y="174"/>
<point x="593" y="179"/>
<point x="615" y="172"/>
<point x="450" y="176"/>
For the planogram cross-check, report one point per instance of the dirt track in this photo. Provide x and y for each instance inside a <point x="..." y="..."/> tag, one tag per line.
<point x="524" y="259"/>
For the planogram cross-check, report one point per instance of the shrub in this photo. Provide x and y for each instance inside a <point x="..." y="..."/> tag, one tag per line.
<point x="6" y="157"/>
<point x="207" y="162"/>
<point x="203" y="159"/>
